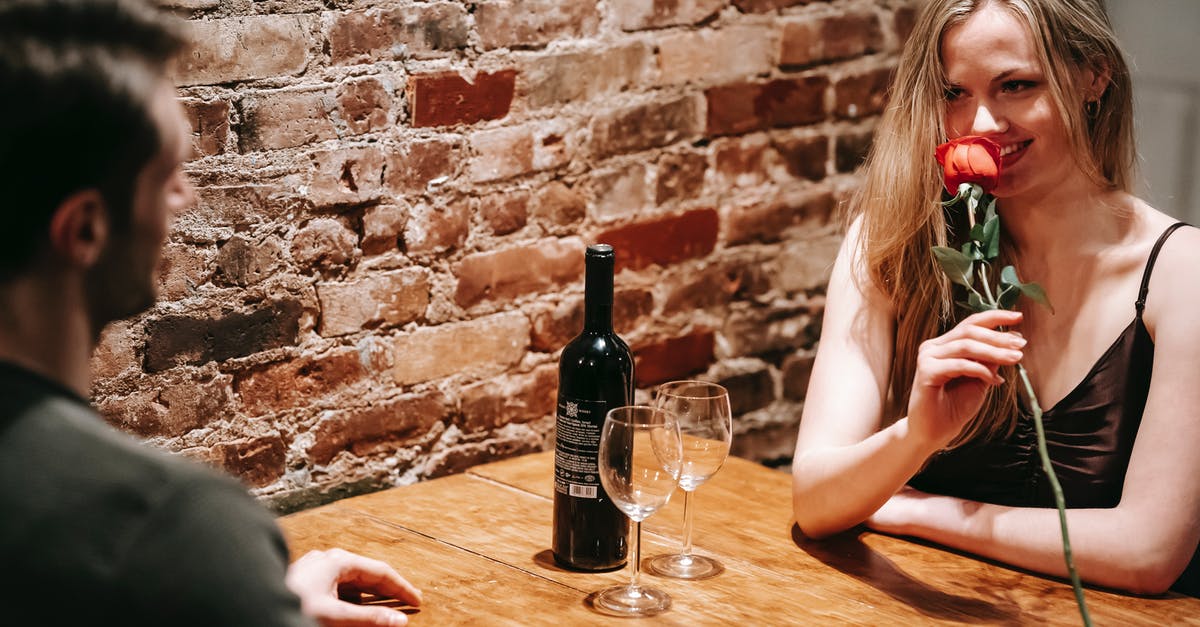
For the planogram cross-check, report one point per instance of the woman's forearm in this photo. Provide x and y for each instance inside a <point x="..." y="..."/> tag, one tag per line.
<point x="1111" y="548"/>
<point x="835" y="488"/>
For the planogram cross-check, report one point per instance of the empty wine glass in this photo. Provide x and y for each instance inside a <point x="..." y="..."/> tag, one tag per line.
<point x="640" y="459"/>
<point x="706" y="429"/>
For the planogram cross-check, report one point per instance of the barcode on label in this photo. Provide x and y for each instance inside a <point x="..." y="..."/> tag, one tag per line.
<point x="583" y="491"/>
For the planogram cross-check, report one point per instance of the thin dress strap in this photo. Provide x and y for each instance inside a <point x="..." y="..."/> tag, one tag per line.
<point x="1145" y="289"/>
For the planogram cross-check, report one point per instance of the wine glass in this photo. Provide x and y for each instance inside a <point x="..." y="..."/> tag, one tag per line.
<point x="706" y="429"/>
<point x="640" y="458"/>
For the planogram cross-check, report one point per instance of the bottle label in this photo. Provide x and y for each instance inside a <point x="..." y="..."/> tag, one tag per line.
<point x="577" y="447"/>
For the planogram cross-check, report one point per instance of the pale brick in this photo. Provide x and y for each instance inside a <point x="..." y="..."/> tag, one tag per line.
<point x="502" y="275"/>
<point x="475" y="348"/>
<point x="806" y="264"/>
<point x="286" y="118"/>
<point x="241" y="261"/>
<point x="523" y="23"/>
<point x="346" y="176"/>
<point x="183" y="268"/>
<point x="114" y="352"/>
<point x="506" y="152"/>
<point x="558" y="204"/>
<point x="245" y="48"/>
<point x="576" y="77"/>
<point x="717" y="56"/>
<point x="299" y="382"/>
<point x="388" y="33"/>
<point x="389" y="299"/>
<point x="648" y="125"/>
<point x="623" y="192"/>
<point x="324" y="243"/>
<point x="382" y="227"/>
<point x="641" y="14"/>
<point x="436" y="229"/>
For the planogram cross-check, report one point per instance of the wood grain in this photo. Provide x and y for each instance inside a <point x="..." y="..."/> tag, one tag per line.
<point x="493" y="524"/>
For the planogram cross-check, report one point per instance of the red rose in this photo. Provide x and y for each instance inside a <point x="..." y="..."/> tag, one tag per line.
<point x="970" y="159"/>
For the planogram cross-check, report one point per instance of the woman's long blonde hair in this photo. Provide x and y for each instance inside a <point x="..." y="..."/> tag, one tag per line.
<point x="900" y="202"/>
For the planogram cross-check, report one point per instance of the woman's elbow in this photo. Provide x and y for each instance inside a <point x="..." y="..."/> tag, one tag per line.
<point x="806" y="515"/>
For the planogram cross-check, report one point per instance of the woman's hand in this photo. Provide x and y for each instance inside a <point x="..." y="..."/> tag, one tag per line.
<point x="316" y="579"/>
<point x="954" y="372"/>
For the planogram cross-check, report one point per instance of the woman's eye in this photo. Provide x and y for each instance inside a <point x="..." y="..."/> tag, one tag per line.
<point x="1013" y="87"/>
<point x="951" y="94"/>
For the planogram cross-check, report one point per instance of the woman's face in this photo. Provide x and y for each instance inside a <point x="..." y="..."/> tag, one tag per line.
<point x="999" y="90"/>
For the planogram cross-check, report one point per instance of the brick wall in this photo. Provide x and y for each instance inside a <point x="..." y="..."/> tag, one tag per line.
<point x="395" y="197"/>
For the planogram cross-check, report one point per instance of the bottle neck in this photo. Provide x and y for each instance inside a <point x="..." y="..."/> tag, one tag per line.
<point x="598" y="296"/>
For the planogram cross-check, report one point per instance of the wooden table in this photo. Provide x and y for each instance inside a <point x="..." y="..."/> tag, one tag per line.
<point x="477" y="545"/>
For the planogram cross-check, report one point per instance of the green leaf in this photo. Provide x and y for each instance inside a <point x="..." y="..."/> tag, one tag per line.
<point x="957" y="266"/>
<point x="971" y="249"/>
<point x="1037" y="294"/>
<point x="976" y="304"/>
<point x="976" y="233"/>
<point x="989" y="210"/>
<point x="991" y="237"/>
<point x="1008" y="276"/>
<point x="1008" y="296"/>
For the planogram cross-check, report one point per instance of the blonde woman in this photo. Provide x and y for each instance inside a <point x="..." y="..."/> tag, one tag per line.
<point x="912" y="423"/>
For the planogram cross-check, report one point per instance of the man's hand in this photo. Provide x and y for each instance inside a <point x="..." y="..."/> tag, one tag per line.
<point x="315" y="578"/>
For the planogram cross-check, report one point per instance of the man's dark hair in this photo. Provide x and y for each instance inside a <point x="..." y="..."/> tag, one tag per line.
<point x="76" y="81"/>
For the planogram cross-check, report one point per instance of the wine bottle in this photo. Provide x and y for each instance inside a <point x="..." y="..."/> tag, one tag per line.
<point x="595" y="374"/>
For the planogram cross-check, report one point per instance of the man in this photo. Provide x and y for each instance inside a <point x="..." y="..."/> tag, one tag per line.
<point x="94" y="527"/>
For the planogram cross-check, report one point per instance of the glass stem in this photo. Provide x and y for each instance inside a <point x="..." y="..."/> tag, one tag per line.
<point x="687" y="523"/>
<point x="637" y="554"/>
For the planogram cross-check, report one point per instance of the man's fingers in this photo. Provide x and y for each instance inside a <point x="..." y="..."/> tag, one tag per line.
<point x="340" y="614"/>
<point x="374" y="576"/>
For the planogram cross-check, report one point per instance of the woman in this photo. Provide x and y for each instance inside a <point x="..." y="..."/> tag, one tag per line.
<point x="912" y="422"/>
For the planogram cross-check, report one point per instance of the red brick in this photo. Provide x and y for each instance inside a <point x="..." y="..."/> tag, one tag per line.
<point x="664" y="241"/>
<point x="324" y="243"/>
<point x="195" y="339"/>
<point x="717" y="285"/>
<point x="364" y="105"/>
<point x="366" y="430"/>
<point x="388" y="299"/>
<point x="513" y="151"/>
<point x="210" y="125"/>
<point x="904" y="22"/>
<point x="243" y="262"/>
<point x="504" y="213"/>
<point x="258" y="462"/>
<point x="346" y="176"/>
<point x="745" y="107"/>
<point x="300" y="382"/>
<point x="645" y="126"/>
<point x="507" y="273"/>
<point x="680" y="176"/>
<point x="285" y="118"/>
<point x="674" y="358"/>
<point x="716" y="56"/>
<point x="749" y="391"/>
<point x="184" y="267"/>
<point x="851" y="150"/>
<point x="245" y="48"/>
<point x="417" y="162"/>
<point x="446" y="98"/>
<point x="643" y="14"/>
<point x="830" y="38"/>
<point x="621" y="192"/>
<point x="764" y="6"/>
<point x="862" y="95"/>
<point x="172" y="409"/>
<point x="770" y="221"/>
<point x="436" y="229"/>
<point x="422" y="31"/>
<point x="382" y="226"/>
<point x="114" y="353"/>
<point x="499" y="401"/>
<point x="475" y="348"/>
<point x="528" y="23"/>
<point x="805" y="157"/>
<point x="546" y="80"/>
<point x="797" y="369"/>
<point x="742" y="161"/>
<point x="558" y="204"/>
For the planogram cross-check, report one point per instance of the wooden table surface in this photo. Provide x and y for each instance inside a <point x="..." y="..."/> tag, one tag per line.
<point x="478" y="546"/>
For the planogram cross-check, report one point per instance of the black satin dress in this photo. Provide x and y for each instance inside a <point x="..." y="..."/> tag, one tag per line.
<point x="1089" y="436"/>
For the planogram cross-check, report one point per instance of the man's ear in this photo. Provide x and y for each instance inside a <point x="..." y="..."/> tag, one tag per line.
<point x="79" y="228"/>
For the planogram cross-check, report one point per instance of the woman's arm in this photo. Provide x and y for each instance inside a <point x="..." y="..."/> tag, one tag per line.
<point x="1144" y="543"/>
<point x="845" y="467"/>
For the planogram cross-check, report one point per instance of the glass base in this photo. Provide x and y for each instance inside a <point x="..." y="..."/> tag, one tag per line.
<point x="630" y="600"/>
<point x="684" y="566"/>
